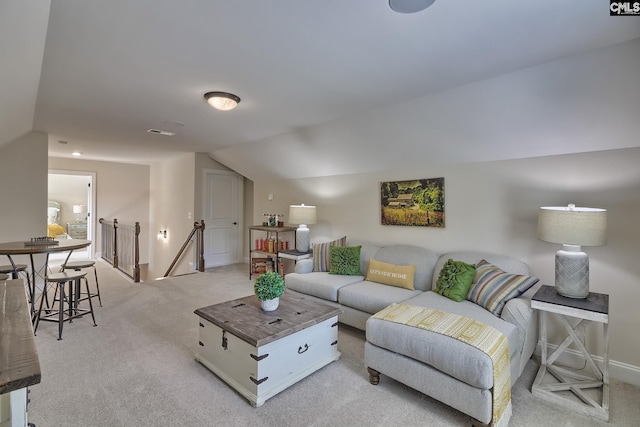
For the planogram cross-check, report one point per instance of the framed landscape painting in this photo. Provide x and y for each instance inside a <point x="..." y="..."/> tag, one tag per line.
<point x="419" y="202"/>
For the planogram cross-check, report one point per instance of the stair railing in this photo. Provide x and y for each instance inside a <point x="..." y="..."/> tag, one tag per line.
<point x="121" y="247"/>
<point x="198" y="231"/>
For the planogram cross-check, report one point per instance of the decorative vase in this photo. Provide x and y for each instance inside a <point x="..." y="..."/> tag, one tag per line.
<point x="270" y="304"/>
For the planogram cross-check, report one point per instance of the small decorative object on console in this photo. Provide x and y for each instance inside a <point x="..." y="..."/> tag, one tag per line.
<point x="269" y="287"/>
<point x="41" y="241"/>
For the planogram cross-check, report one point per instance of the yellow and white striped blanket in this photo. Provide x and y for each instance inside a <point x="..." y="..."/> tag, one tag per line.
<point x="481" y="336"/>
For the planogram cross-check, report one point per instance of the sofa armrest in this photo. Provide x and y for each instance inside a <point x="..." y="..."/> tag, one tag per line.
<point x="518" y="312"/>
<point x="303" y="266"/>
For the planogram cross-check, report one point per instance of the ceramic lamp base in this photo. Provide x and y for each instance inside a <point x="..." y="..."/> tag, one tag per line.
<point x="302" y="238"/>
<point x="572" y="272"/>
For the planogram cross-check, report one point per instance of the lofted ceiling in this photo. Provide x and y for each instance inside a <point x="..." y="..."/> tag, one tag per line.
<point x="111" y="70"/>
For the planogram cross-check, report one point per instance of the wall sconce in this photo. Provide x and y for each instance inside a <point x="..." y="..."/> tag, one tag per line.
<point x="162" y="234"/>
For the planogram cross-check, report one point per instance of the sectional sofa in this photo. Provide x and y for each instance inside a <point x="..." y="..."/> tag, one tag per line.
<point x="437" y="365"/>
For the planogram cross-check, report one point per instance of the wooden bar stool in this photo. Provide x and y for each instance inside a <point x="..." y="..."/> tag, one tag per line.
<point x="78" y="266"/>
<point x="71" y="298"/>
<point x="20" y="269"/>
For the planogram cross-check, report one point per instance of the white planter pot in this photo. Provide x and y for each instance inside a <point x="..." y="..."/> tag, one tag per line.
<point x="270" y="304"/>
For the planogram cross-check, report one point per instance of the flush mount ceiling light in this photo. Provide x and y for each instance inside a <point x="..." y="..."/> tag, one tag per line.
<point x="222" y="100"/>
<point x="410" y="6"/>
<point x="76" y="154"/>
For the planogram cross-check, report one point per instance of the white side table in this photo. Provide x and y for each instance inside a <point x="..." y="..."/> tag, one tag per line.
<point x="589" y="388"/>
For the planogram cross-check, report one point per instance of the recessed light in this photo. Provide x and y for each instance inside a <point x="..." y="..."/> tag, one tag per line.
<point x="76" y="154"/>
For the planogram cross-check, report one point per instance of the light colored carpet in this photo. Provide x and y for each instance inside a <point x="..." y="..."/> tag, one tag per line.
<point x="137" y="368"/>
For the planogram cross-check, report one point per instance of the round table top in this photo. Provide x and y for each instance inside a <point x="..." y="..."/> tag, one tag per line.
<point x="23" y="248"/>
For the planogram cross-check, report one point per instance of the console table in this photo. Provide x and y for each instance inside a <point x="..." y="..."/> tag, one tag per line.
<point x="19" y="363"/>
<point x="594" y="308"/>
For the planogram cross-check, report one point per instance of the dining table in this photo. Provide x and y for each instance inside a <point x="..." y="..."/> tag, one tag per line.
<point x="38" y="246"/>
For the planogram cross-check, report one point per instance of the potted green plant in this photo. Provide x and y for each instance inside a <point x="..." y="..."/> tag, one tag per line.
<point x="269" y="287"/>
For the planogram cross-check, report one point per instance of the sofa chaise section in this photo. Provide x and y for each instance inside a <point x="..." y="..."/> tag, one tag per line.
<point x="444" y="368"/>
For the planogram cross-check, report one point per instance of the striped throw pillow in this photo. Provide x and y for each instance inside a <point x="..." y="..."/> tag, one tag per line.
<point x="322" y="253"/>
<point x="493" y="287"/>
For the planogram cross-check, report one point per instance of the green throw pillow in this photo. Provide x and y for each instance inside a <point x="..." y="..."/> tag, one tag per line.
<point x="455" y="279"/>
<point x="345" y="260"/>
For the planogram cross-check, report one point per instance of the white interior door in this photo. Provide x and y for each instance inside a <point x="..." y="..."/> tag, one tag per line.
<point x="222" y="215"/>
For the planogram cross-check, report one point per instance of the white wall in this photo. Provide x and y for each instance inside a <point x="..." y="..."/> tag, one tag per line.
<point x="172" y="196"/>
<point x="23" y="31"/>
<point x="122" y="193"/>
<point x="585" y="102"/>
<point x="23" y="173"/>
<point x="493" y="207"/>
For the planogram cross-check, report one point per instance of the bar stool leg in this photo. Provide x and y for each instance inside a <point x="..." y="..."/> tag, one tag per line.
<point x="37" y="319"/>
<point x="61" y="309"/>
<point x="95" y="272"/>
<point x="29" y="286"/>
<point x="86" y="284"/>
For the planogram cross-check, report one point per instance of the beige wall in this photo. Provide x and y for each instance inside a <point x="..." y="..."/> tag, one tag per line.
<point x="172" y="198"/>
<point x="493" y="207"/>
<point x="23" y="173"/>
<point x="122" y="192"/>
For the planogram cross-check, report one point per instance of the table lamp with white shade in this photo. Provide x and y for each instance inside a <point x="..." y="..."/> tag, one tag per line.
<point x="78" y="209"/>
<point x="573" y="227"/>
<point x="302" y="216"/>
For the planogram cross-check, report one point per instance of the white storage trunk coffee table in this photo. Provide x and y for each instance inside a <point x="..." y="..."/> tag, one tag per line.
<point x="261" y="353"/>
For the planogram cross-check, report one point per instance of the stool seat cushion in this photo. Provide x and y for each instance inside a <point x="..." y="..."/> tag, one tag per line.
<point x="9" y="268"/>
<point x="79" y="264"/>
<point x="65" y="276"/>
<point x="446" y="354"/>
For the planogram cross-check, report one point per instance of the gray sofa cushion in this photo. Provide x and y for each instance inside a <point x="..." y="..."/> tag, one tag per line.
<point x="424" y="259"/>
<point x="319" y="284"/>
<point x="455" y="358"/>
<point x="372" y="297"/>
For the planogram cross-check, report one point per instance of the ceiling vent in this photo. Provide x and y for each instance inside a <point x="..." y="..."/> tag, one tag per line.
<point x="161" y="132"/>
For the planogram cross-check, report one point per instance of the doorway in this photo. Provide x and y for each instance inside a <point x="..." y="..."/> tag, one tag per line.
<point x="74" y="194"/>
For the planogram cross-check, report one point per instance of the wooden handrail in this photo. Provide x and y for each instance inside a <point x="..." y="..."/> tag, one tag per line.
<point x="199" y="228"/>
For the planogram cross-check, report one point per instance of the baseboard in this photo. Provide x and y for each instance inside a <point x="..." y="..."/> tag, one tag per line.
<point x="619" y="371"/>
